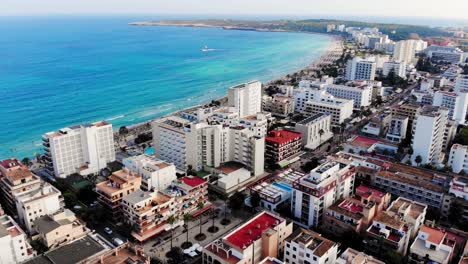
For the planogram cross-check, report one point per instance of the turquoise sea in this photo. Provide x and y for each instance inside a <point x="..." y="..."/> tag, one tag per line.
<point x="60" y="71"/>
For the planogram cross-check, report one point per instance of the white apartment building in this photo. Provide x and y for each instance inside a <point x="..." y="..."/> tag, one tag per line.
<point x="458" y="158"/>
<point x="397" y="128"/>
<point x="306" y="246"/>
<point x="428" y="134"/>
<point x="310" y="129"/>
<point x="461" y="83"/>
<point x="308" y="91"/>
<point x="361" y="69"/>
<point x="83" y="149"/>
<point x="385" y="47"/>
<point x="340" y="109"/>
<point x="44" y="201"/>
<point x="456" y="103"/>
<point x="405" y="50"/>
<point x="185" y="143"/>
<point x="13" y="242"/>
<point x="318" y="190"/>
<point x="398" y="67"/>
<point x="155" y="173"/>
<point x="361" y="95"/>
<point x="444" y="53"/>
<point x="246" y="98"/>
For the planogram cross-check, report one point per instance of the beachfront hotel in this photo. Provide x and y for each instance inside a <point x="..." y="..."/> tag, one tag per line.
<point x="197" y="144"/>
<point x="260" y="237"/>
<point x="84" y="149"/>
<point x="361" y="69"/>
<point x="246" y="98"/>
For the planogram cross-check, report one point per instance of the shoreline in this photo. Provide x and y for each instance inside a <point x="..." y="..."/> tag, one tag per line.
<point x="335" y="46"/>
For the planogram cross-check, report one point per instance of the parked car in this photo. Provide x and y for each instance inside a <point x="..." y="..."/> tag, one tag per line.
<point x="108" y="231"/>
<point x="117" y="241"/>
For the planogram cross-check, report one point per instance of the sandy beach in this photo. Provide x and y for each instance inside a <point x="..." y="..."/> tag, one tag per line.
<point x="330" y="55"/>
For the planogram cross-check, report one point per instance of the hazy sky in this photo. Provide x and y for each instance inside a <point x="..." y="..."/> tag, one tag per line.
<point x="424" y="8"/>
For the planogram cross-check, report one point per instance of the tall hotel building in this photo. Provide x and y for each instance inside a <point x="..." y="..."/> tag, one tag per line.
<point x="83" y="149"/>
<point x="428" y="134"/>
<point x="246" y="98"/>
<point x="361" y="69"/>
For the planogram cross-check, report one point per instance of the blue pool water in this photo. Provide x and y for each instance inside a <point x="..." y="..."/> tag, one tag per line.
<point x="61" y="71"/>
<point x="283" y="186"/>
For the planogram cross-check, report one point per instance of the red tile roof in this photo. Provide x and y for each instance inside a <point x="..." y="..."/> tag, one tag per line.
<point x="10" y="163"/>
<point x="366" y="192"/>
<point x="252" y="230"/>
<point x="192" y="181"/>
<point x="435" y="235"/>
<point x="282" y="136"/>
<point x="364" y="142"/>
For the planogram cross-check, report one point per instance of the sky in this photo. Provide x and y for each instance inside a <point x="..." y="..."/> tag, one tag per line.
<point x="455" y="9"/>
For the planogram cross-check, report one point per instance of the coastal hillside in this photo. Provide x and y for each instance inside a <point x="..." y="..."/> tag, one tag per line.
<point x="395" y="31"/>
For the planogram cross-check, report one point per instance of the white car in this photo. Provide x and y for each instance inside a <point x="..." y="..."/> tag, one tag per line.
<point x="108" y="231"/>
<point x="117" y="241"/>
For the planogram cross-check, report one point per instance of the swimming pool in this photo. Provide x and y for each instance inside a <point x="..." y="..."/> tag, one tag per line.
<point x="283" y="186"/>
<point x="149" y="151"/>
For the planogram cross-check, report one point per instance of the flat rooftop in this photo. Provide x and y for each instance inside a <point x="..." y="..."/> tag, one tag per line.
<point x="312" y="240"/>
<point x="245" y="235"/>
<point x="75" y="252"/>
<point x="192" y="181"/>
<point x="313" y="118"/>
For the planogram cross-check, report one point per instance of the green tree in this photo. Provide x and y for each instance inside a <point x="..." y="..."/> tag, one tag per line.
<point x="123" y="131"/>
<point x="171" y="221"/>
<point x="175" y="256"/>
<point x="418" y="160"/>
<point x="225" y="199"/>
<point x="187" y="218"/>
<point x="200" y="206"/>
<point x="26" y="161"/>
<point x="236" y="201"/>
<point x="321" y="132"/>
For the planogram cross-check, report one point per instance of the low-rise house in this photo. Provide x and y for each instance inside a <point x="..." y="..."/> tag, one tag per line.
<point x="355" y="213"/>
<point x="352" y="256"/>
<point x="306" y="246"/>
<point x="431" y="246"/>
<point x="59" y="228"/>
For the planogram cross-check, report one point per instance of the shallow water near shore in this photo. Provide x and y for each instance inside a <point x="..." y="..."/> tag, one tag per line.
<point x="61" y="71"/>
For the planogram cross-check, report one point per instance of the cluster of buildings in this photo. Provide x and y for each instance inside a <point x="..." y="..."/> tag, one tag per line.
<point x="360" y="190"/>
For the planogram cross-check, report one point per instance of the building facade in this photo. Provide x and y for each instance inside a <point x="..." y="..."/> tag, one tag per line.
<point x="361" y="69"/>
<point x="155" y="174"/>
<point x="306" y="246"/>
<point x="315" y="130"/>
<point x="83" y="149"/>
<point x="246" y="98"/>
<point x="262" y="236"/>
<point x="281" y="145"/>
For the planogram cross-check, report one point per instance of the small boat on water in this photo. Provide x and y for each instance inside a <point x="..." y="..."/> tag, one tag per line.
<point x="206" y="49"/>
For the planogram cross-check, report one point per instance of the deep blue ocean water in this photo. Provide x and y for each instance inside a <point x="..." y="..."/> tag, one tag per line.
<point x="60" y="71"/>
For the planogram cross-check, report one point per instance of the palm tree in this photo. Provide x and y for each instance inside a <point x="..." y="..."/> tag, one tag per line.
<point x="225" y="199"/>
<point x="321" y="132"/>
<point x="171" y="220"/>
<point x="418" y="160"/>
<point x="200" y="206"/>
<point x="26" y="161"/>
<point x="187" y="219"/>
